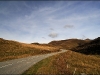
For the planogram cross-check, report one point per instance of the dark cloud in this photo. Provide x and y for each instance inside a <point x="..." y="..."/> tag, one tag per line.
<point x="68" y="26"/>
<point x="43" y="37"/>
<point x="51" y="29"/>
<point x="53" y="35"/>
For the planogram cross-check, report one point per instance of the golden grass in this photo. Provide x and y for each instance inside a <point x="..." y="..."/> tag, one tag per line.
<point x="83" y="63"/>
<point x="41" y="47"/>
<point x="12" y="49"/>
<point x="67" y="63"/>
<point x="43" y="67"/>
<point x="68" y="43"/>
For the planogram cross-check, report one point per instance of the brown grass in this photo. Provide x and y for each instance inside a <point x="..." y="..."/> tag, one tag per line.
<point x="12" y="49"/>
<point x="82" y="63"/>
<point x="70" y="63"/>
<point x="41" y="47"/>
<point x="69" y="43"/>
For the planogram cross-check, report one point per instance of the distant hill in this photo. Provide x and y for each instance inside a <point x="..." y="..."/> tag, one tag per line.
<point x="93" y="47"/>
<point x="69" y="43"/>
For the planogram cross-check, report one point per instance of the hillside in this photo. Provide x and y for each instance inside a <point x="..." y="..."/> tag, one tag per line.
<point x="68" y="63"/>
<point x="68" y="44"/>
<point x="12" y="49"/>
<point x="92" y="47"/>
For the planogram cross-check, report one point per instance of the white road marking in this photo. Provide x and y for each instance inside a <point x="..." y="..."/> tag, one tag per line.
<point x="18" y="67"/>
<point x="30" y="58"/>
<point x="21" y="61"/>
<point x="5" y="65"/>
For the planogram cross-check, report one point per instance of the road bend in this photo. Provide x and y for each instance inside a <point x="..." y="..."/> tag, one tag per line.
<point x="18" y="66"/>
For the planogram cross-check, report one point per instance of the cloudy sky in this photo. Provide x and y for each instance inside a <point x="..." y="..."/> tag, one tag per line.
<point x="44" y="21"/>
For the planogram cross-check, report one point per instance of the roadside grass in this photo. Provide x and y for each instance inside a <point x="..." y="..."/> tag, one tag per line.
<point x="70" y="63"/>
<point x="43" y="67"/>
<point x="12" y="50"/>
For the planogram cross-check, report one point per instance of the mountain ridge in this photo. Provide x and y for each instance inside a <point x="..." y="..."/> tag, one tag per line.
<point x="93" y="47"/>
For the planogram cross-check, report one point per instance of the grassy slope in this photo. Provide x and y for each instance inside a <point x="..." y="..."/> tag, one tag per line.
<point x="69" y="43"/>
<point x="67" y="63"/>
<point x="12" y="49"/>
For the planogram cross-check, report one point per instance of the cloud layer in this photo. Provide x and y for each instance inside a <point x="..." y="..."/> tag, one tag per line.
<point x="33" y="21"/>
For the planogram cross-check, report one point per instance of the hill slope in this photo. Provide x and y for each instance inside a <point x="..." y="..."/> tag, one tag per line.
<point x="68" y="63"/>
<point x="68" y="44"/>
<point x="92" y="47"/>
<point x="11" y="49"/>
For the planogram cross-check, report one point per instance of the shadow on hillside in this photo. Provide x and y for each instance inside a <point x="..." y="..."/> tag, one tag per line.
<point x="91" y="48"/>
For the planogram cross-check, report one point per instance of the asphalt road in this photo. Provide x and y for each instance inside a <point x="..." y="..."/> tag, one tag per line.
<point x="18" y="66"/>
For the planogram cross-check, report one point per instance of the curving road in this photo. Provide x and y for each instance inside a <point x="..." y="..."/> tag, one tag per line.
<point x="18" y="66"/>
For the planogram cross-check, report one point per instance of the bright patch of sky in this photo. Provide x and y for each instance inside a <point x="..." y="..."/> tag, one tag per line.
<point x="44" y="21"/>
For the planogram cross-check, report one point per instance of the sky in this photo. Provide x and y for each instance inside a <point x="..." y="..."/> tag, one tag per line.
<point x="45" y="21"/>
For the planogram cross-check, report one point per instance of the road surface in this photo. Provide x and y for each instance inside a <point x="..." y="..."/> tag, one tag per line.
<point x="18" y="66"/>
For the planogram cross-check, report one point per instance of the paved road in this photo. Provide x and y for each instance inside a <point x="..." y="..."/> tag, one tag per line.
<point x="18" y="66"/>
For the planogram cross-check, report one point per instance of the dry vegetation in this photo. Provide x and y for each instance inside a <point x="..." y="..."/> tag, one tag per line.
<point x="12" y="49"/>
<point x="70" y="63"/>
<point x="42" y="47"/>
<point x="65" y="63"/>
<point x="69" y="43"/>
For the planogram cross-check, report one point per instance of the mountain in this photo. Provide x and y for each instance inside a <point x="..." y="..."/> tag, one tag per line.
<point x="93" y="47"/>
<point x="69" y="43"/>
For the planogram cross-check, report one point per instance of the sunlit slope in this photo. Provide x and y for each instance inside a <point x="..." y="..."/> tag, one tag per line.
<point x="69" y="43"/>
<point x="12" y="49"/>
<point x="69" y="63"/>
